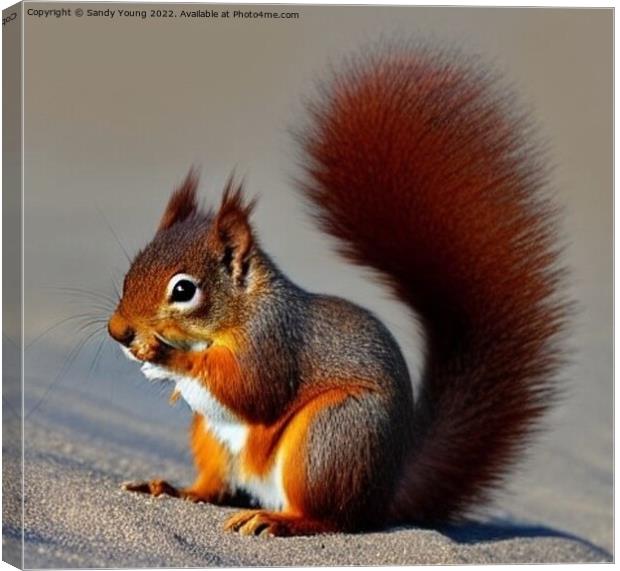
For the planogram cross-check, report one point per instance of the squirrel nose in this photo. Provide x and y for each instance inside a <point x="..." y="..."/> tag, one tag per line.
<point x="120" y="330"/>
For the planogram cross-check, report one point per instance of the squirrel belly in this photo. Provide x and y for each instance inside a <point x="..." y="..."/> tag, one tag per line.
<point x="422" y="167"/>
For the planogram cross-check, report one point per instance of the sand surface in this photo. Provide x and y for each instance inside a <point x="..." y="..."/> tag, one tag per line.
<point x="84" y="440"/>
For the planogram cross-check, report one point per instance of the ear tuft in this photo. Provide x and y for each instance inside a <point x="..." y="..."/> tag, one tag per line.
<point x="182" y="203"/>
<point x="233" y="227"/>
<point x="233" y="201"/>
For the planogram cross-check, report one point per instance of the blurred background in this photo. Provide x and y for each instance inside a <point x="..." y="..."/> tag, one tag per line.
<point x="116" y="111"/>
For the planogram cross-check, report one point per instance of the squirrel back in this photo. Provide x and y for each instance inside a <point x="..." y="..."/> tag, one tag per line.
<point x="425" y="170"/>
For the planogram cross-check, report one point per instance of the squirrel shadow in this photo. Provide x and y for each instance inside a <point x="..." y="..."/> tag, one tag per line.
<point x="504" y="529"/>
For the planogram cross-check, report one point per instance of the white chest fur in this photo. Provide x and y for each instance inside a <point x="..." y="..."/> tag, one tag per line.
<point x="224" y="425"/>
<point x="228" y="429"/>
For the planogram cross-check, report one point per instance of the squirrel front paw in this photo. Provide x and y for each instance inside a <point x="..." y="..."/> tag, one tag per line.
<point x="158" y="488"/>
<point x="155" y="372"/>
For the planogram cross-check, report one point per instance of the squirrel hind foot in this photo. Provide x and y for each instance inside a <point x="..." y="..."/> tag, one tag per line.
<point x="275" y="524"/>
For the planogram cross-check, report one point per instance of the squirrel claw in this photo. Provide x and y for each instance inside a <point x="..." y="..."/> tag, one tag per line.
<point x="263" y="523"/>
<point x="266" y="532"/>
<point x="240" y="521"/>
<point x="131" y="486"/>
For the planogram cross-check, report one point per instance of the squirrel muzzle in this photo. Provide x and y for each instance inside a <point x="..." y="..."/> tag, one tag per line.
<point x="144" y="346"/>
<point x="121" y="330"/>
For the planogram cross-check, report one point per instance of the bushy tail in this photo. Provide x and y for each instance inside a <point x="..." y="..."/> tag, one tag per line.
<point x="424" y="169"/>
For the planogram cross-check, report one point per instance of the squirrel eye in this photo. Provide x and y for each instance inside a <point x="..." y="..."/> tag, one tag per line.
<point x="183" y="291"/>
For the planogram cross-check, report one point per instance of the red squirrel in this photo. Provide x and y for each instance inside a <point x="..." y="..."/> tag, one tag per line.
<point x="422" y="167"/>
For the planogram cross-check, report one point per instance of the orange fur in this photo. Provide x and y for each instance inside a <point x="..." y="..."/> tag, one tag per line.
<point x="294" y="449"/>
<point x="217" y="368"/>
<point x="264" y="443"/>
<point x="212" y="462"/>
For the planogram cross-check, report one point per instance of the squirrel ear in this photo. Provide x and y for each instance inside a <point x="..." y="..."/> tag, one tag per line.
<point x="182" y="203"/>
<point x="234" y="232"/>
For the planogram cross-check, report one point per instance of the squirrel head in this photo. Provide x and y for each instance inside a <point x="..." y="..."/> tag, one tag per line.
<point x="192" y="283"/>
